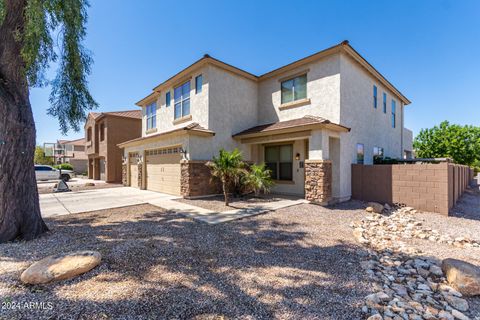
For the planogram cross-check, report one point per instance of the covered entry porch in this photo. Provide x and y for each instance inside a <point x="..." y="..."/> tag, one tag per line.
<point x="302" y="154"/>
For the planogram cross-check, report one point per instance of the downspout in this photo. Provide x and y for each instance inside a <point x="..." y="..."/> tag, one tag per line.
<point x="401" y="132"/>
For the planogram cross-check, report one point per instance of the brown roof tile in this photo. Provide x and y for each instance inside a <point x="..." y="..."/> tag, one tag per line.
<point x="304" y="121"/>
<point x="76" y="142"/>
<point x="190" y="127"/>
<point x="134" y="114"/>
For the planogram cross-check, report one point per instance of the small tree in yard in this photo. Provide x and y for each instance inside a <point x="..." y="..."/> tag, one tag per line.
<point x="27" y="32"/>
<point x="40" y="157"/>
<point x="228" y="167"/>
<point x="258" y="179"/>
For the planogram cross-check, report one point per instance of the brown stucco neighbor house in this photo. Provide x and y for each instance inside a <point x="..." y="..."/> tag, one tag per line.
<point x="103" y="131"/>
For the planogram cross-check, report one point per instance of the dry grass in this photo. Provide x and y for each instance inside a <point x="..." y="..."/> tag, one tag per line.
<point x="297" y="263"/>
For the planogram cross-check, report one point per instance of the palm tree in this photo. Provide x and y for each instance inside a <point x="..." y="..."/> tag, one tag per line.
<point x="228" y="167"/>
<point x="258" y="178"/>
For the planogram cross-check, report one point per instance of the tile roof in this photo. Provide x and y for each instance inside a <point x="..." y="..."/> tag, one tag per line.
<point x="135" y="114"/>
<point x="304" y="121"/>
<point x="190" y="127"/>
<point x="76" y="142"/>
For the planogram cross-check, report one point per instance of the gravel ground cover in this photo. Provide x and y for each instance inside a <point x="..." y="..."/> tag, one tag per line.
<point x="217" y="203"/>
<point x="45" y="189"/>
<point x="300" y="262"/>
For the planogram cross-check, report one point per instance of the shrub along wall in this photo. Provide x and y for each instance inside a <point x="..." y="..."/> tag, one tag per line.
<point x="428" y="187"/>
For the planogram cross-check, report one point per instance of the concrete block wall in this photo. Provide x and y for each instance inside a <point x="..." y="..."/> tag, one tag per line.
<point x="427" y="187"/>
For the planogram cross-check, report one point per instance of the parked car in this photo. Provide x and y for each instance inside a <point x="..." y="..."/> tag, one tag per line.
<point x="43" y="172"/>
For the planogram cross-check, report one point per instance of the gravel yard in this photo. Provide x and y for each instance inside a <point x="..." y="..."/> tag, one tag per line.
<point x="217" y="203"/>
<point x="301" y="262"/>
<point x="76" y="187"/>
<point x="297" y="263"/>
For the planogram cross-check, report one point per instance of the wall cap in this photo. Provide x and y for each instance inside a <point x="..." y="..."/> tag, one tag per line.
<point x="317" y="161"/>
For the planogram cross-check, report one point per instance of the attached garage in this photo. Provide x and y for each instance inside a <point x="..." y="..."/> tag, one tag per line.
<point x="132" y="160"/>
<point x="163" y="170"/>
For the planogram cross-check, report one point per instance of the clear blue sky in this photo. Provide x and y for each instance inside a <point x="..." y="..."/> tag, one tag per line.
<point x="430" y="50"/>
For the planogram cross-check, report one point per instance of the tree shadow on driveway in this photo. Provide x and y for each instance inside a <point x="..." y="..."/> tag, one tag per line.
<point x="159" y="264"/>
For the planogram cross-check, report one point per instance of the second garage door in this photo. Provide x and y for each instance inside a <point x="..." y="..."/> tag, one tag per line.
<point x="163" y="170"/>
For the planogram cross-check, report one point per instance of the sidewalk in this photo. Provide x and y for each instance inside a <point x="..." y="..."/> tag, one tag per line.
<point x="213" y="217"/>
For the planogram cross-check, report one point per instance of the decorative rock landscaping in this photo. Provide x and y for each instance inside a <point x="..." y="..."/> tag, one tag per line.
<point x="61" y="267"/>
<point x="464" y="276"/>
<point x="407" y="286"/>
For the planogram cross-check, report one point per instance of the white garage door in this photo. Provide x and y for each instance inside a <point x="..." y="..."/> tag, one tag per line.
<point x="163" y="170"/>
<point x="132" y="160"/>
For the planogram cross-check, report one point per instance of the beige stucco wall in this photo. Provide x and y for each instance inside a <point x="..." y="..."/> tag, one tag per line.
<point x="369" y="126"/>
<point x="407" y="139"/>
<point x="198" y="105"/>
<point x="233" y="108"/>
<point x="171" y="141"/>
<point x="323" y="89"/>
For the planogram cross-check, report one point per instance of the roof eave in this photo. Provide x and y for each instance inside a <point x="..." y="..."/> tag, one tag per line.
<point x="180" y="131"/>
<point x="328" y="125"/>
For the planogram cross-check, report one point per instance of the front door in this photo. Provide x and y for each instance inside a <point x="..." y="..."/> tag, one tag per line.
<point x="102" y="169"/>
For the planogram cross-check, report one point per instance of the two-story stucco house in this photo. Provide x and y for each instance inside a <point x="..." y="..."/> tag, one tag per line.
<point x="308" y="121"/>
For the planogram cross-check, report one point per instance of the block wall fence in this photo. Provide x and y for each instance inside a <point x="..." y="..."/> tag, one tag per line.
<point x="426" y="187"/>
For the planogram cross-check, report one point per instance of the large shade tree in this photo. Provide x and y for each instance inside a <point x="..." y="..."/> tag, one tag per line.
<point x="33" y="33"/>
<point x="461" y="143"/>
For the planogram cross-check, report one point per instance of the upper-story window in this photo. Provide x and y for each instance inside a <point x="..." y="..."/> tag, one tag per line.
<point x="360" y="153"/>
<point x="384" y="102"/>
<point x="294" y="89"/>
<point x="152" y="115"/>
<point x="394" y="116"/>
<point x="198" y="84"/>
<point x="168" y="98"/>
<point x="102" y="131"/>
<point x="375" y="97"/>
<point x="181" y="95"/>
<point x="89" y="134"/>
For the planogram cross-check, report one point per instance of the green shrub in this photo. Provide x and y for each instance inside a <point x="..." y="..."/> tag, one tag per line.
<point x="258" y="179"/>
<point x="385" y="160"/>
<point x="64" y="166"/>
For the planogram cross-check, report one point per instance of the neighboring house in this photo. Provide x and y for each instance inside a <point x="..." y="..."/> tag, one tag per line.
<point x="103" y="131"/>
<point x="407" y="144"/>
<point x="308" y="121"/>
<point x="69" y="151"/>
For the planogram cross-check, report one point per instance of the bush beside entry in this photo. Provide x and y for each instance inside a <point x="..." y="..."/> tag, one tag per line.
<point x="231" y="170"/>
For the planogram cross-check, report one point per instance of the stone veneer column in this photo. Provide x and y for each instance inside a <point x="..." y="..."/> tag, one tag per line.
<point x="318" y="181"/>
<point x="196" y="179"/>
<point x="139" y="166"/>
<point x="124" y="174"/>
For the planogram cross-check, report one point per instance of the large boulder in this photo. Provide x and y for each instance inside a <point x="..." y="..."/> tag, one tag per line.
<point x="463" y="276"/>
<point x="374" y="207"/>
<point x="61" y="267"/>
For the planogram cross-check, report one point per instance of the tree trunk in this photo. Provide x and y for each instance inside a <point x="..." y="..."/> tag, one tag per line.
<point x="19" y="206"/>
<point x="225" y="191"/>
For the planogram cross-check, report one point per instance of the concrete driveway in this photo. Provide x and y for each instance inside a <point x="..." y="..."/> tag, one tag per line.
<point x="73" y="182"/>
<point x="55" y="204"/>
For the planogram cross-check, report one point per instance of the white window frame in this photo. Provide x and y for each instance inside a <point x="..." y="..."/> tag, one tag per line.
<point x="151" y="116"/>
<point x="182" y="101"/>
